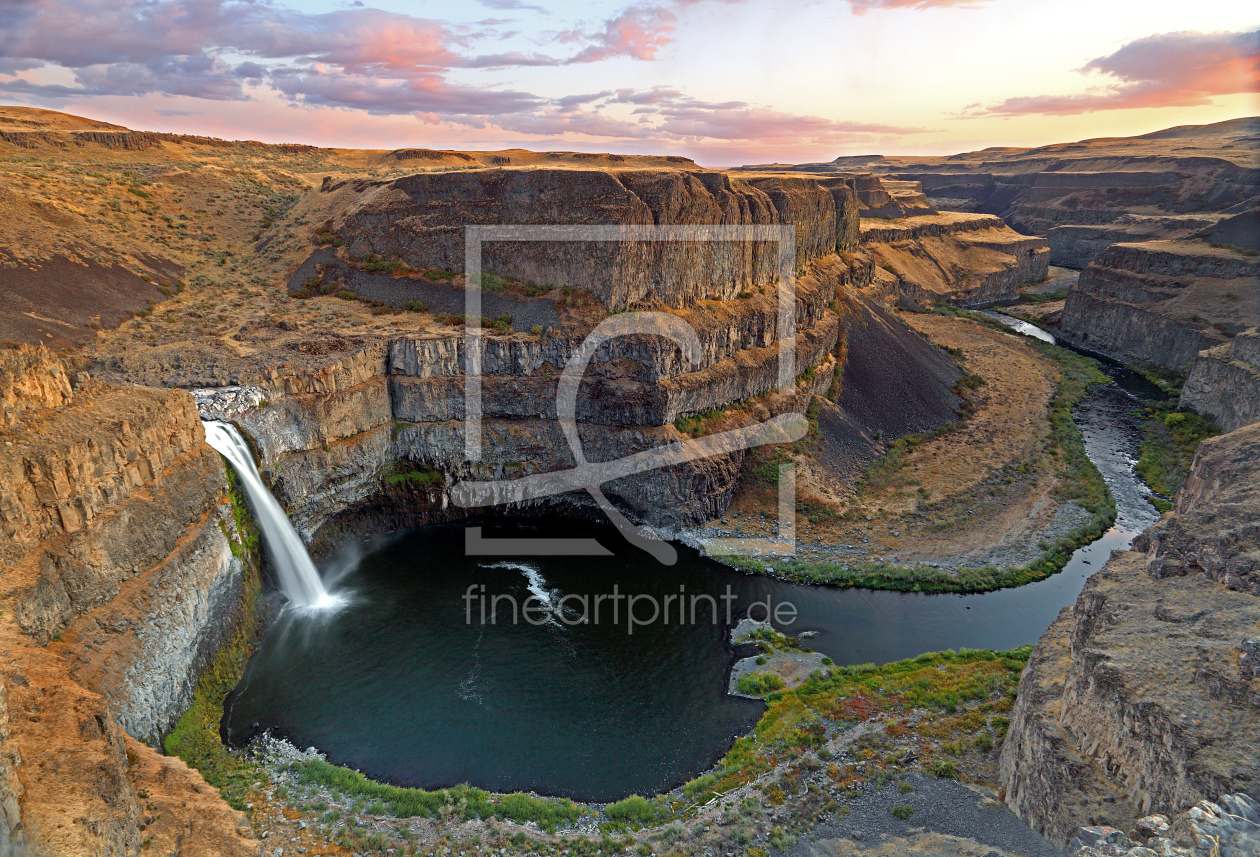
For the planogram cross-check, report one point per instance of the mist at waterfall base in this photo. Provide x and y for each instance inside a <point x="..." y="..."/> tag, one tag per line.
<point x="298" y="578"/>
<point x="398" y="685"/>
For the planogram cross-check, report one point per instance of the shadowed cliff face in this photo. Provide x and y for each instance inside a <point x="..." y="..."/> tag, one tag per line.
<point x="119" y="581"/>
<point x="1225" y="382"/>
<point x="1143" y="697"/>
<point x="1161" y="303"/>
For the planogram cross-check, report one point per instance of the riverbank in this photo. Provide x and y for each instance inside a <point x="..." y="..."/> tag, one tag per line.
<point x="822" y="751"/>
<point x="1001" y="498"/>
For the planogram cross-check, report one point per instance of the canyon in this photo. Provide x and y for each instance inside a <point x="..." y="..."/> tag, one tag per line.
<point x="315" y="298"/>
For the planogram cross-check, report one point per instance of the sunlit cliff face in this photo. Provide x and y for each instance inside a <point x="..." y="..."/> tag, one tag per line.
<point x="723" y="81"/>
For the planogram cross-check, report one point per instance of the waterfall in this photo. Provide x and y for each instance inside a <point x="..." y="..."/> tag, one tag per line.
<point x="299" y="579"/>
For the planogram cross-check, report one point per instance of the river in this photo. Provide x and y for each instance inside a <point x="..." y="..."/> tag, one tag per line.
<point x="409" y="683"/>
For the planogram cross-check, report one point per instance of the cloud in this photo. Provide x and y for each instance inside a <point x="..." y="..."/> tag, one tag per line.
<point x="640" y="31"/>
<point x="861" y="7"/>
<point x="429" y="94"/>
<point x="362" y="60"/>
<point x="505" y="5"/>
<point x="1164" y="70"/>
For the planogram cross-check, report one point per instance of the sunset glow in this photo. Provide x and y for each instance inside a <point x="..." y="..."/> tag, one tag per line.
<point x="723" y="81"/>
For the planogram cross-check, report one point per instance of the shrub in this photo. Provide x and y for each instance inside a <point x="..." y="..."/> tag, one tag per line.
<point x="759" y="684"/>
<point x="415" y="479"/>
<point x="347" y="295"/>
<point x="415" y="306"/>
<point x="634" y="810"/>
<point x="943" y="768"/>
<point x="902" y="811"/>
<point x="781" y="840"/>
<point x="905" y="788"/>
<point x="984" y="742"/>
<point x="699" y="785"/>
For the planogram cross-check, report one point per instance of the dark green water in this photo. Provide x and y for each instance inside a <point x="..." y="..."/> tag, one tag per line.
<point x="402" y="686"/>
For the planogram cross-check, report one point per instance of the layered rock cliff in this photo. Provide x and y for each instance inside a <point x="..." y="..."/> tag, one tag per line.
<point x="1225" y="382"/>
<point x="420" y="220"/>
<point x="1160" y="303"/>
<point x="1087" y="195"/>
<point x="118" y="579"/>
<point x="970" y="260"/>
<point x="328" y="437"/>
<point x="1144" y="697"/>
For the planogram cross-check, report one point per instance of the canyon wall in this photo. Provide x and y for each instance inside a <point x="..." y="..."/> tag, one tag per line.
<point x="1145" y="696"/>
<point x="421" y="219"/>
<point x="1160" y="303"/>
<point x="970" y="260"/>
<point x="119" y="581"/>
<point x="1225" y="382"/>
<point x="335" y="439"/>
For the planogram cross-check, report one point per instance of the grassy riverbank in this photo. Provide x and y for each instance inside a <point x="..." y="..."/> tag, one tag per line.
<point x="1077" y="481"/>
<point x="1170" y="438"/>
<point x="817" y="747"/>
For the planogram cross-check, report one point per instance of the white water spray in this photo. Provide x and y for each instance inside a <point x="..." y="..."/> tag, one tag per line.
<point x="299" y="579"/>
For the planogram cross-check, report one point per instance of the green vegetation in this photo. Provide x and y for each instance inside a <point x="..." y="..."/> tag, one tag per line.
<point x="759" y="684"/>
<point x="195" y="738"/>
<point x="413" y="479"/>
<point x="699" y="785"/>
<point x="374" y="264"/>
<point x="960" y="690"/>
<point x="1171" y="438"/>
<point x="636" y="811"/>
<point x="1045" y="297"/>
<point x="902" y="811"/>
<point x="885" y="471"/>
<point x="497" y="285"/>
<point x="905" y="788"/>
<point x="463" y="801"/>
<point x="415" y="306"/>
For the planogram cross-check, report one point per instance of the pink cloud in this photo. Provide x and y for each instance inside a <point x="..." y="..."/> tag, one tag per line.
<point x="861" y="7"/>
<point x="1164" y="70"/>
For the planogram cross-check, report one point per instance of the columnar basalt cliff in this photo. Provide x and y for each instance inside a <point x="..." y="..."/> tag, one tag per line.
<point x="1225" y="382"/>
<point x="395" y="403"/>
<point x="1160" y="303"/>
<point x="119" y="581"/>
<point x="420" y="220"/>
<point x="1144" y="696"/>
<point x="970" y="260"/>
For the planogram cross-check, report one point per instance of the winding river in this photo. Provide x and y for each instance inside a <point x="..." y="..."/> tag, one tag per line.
<point x="409" y="683"/>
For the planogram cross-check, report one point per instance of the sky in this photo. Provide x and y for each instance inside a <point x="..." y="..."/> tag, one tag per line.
<point x="726" y="82"/>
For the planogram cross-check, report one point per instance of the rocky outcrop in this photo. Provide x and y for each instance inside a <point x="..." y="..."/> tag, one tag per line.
<point x="970" y="260"/>
<point x="1142" y="698"/>
<point x="1225" y="382"/>
<point x="119" y="580"/>
<point x="1228" y="828"/>
<point x="421" y="219"/>
<point x="1160" y="303"/>
<point x="31" y="378"/>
